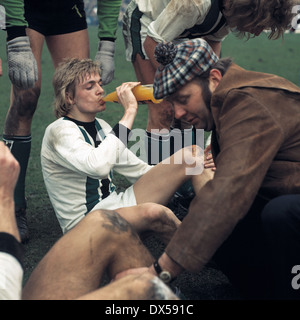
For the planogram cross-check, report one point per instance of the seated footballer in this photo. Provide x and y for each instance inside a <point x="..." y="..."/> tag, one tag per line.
<point x="79" y="153"/>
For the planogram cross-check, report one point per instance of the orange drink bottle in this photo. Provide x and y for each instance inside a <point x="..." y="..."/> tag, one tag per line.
<point x="142" y="93"/>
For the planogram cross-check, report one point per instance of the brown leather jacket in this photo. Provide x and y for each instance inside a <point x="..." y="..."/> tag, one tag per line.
<point x="256" y="146"/>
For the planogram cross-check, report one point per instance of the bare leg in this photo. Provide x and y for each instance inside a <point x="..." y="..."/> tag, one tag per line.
<point x="70" y="45"/>
<point x="151" y="218"/>
<point x="17" y="131"/>
<point x="102" y="241"/>
<point x="24" y="102"/>
<point x="161" y="182"/>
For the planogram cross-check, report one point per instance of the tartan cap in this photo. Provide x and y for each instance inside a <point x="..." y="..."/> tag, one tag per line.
<point x="179" y="64"/>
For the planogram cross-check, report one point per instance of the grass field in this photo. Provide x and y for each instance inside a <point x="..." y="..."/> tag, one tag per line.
<point x="260" y="54"/>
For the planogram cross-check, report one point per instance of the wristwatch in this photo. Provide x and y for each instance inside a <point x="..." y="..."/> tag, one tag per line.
<point x="163" y="275"/>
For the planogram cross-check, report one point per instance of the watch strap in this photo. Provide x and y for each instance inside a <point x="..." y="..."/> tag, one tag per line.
<point x="157" y="267"/>
<point x="164" y="275"/>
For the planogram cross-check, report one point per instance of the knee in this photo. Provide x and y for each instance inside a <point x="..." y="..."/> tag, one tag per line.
<point x="156" y="212"/>
<point x="151" y="210"/>
<point x="25" y="102"/>
<point x="192" y="158"/>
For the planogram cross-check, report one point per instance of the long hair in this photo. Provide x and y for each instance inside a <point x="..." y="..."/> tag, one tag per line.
<point x="68" y="74"/>
<point x="273" y="15"/>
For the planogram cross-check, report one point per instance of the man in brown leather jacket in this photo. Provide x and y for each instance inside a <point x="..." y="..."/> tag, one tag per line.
<point x="255" y="123"/>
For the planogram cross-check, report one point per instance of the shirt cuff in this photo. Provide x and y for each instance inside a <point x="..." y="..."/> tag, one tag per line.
<point x="15" y="32"/>
<point x="10" y="245"/>
<point x="107" y="39"/>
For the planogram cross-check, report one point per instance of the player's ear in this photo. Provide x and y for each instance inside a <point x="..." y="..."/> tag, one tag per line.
<point x="215" y="77"/>
<point x="69" y="98"/>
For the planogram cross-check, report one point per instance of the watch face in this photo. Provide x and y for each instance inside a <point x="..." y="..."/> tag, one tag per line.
<point x="165" y="276"/>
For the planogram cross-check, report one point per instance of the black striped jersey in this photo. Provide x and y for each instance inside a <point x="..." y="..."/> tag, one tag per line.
<point x="78" y="160"/>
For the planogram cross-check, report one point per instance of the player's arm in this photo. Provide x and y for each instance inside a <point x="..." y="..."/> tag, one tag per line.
<point x="108" y="13"/>
<point x="11" y="251"/>
<point x="71" y="151"/>
<point x="14" y="12"/>
<point x="22" y="66"/>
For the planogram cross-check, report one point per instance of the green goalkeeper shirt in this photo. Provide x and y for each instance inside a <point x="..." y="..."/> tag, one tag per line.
<point x="14" y="10"/>
<point x="108" y="13"/>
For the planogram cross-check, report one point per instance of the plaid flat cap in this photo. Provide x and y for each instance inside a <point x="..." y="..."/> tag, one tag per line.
<point x="179" y="64"/>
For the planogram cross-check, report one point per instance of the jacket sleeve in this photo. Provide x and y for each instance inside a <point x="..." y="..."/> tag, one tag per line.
<point x="108" y="14"/>
<point x="249" y="138"/>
